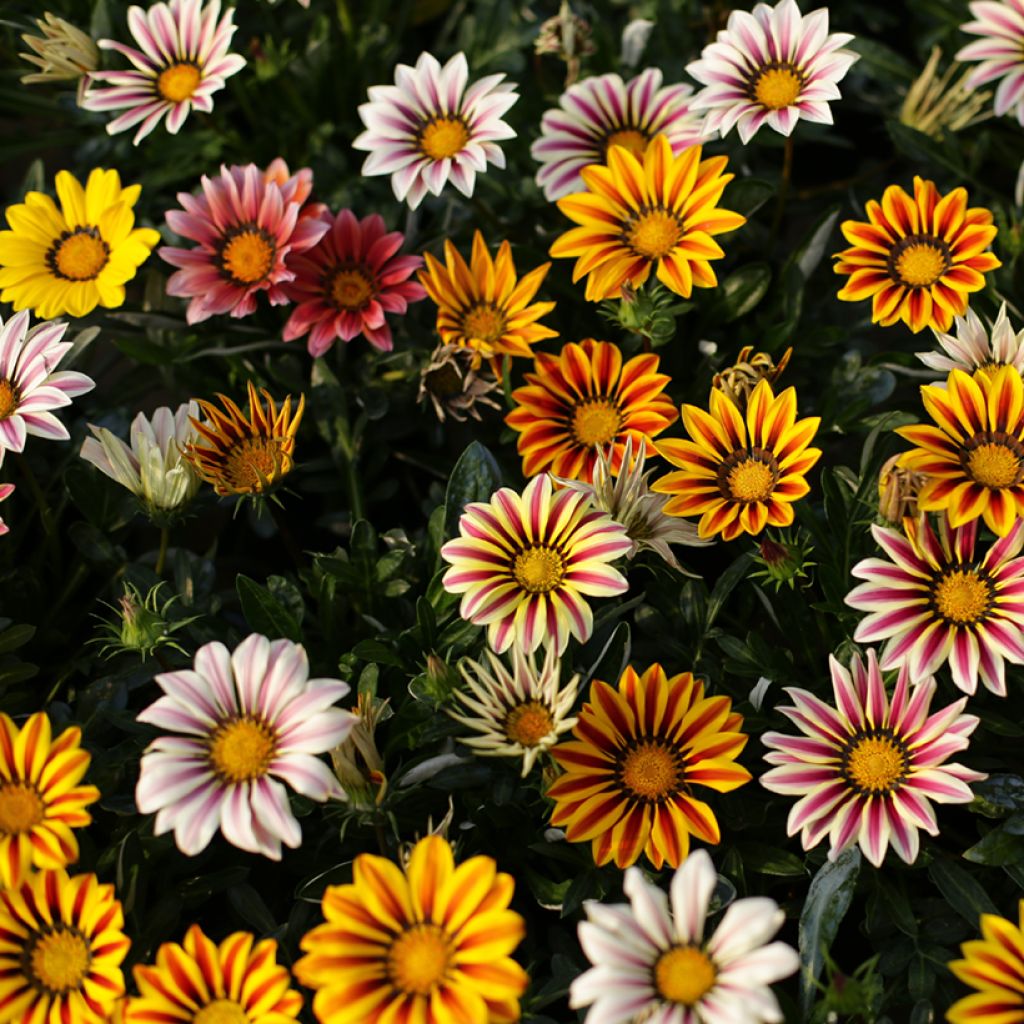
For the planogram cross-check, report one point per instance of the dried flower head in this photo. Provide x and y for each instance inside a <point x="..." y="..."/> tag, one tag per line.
<point x="898" y="488"/>
<point x="357" y="761"/>
<point x="740" y="379"/>
<point x="939" y="104"/>
<point x="454" y="386"/>
<point x="566" y="36"/>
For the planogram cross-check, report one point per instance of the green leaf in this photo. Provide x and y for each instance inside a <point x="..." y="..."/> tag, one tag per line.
<point x="809" y="253"/>
<point x="15" y="637"/>
<point x="741" y="291"/>
<point x="1003" y="845"/>
<point x="476" y="477"/>
<point x="995" y="797"/>
<point x="965" y="895"/>
<point x="748" y="195"/>
<point x="724" y="586"/>
<point x="264" y="613"/>
<point x="769" y="860"/>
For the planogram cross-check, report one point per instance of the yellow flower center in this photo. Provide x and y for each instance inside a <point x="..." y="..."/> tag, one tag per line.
<point x="875" y="762"/>
<point x="538" y="570"/>
<point x="221" y="1011"/>
<point x="21" y="808"/>
<point x="78" y="255"/>
<point x="629" y="138"/>
<point x="777" y="86"/>
<point x="443" y="137"/>
<point x="529" y="723"/>
<point x="351" y="289"/>
<point x="962" y="596"/>
<point x="751" y="480"/>
<point x="684" y="974"/>
<point x="650" y="771"/>
<point x="178" y="82"/>
<point x="58" y="961"/>
<point x="254" y="463"/>
<point x="418" y="959"/>
<point x="241" y="750"/>
<point x="247" y="256"/>
<point x="483" y="322"/>
<point x="654" y="234"/>
<point x="9" y="398"/>
<point x="595" y="422"/>
<point x="994" y="465"/>
<point x="920" y="264"/>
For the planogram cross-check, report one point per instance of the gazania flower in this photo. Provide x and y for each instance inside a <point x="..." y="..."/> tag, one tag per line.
<point x="243" y="722"/>
<point x="584" y="398"/>
<point x="917" y="259"/>
<point x="525" y="564"/>
<point x="602" y="111"/>
<point x="236" y="982"/>
<point x="974" y="348"/>
<point x="41" y="799"/>
<point x="484" y="306"/>
<point x="866" y="769"/>
<point x="6" y="490"/>
<point x="656" y="214"/>
<point x="432" y="944"/>
<point x="458" y="384"/>
<point x="73" y="259"/>
<point x="346" y="283"/>
<point x="182" y="59"/>
<point x="941" y="105"/>
<point x="63" y="945"/>
<point x="357" y="760"/>
<point x="771" y="66"/>
<point x="63" y="53"/>
<point x="740" y="473"/>
<point x="30" y="384"/>
<point x="974" y="454"/>
<point x="653" y="963"/>
<point x="637" y="756"/>
<point x="935" y="600"/>
<point x="1001" y="28"/>
<point x="994" y="965"/>
<point x="428" y="128"/>
<point x="246" y="222"/>
<point x="245" y="455"/>
<point x="519" y="713"/>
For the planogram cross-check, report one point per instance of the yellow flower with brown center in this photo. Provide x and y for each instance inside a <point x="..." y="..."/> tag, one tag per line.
<point x="739" y="472"/>
<point x="918" y="258"/>
<point x="656" y="213"/>
<point x="637" y="755"/>
<point x="431" y="944"/>
<point x="245" y="455"/>
<point x="61" y="951"/>
<point x="485" y="306"/>
<point x="586" y="399"/>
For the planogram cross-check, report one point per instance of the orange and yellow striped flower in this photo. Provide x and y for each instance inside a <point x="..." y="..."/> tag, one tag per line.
<point x="637" y="754"/>
<point x="245" y="455"/>
<point x="740" y="474"/>
<point x="41" y="800"/>
<point x="584" y="399"/>
<point x="61" y="947"/>
<point x="431" y="945"/>
<point x="994" y="965"/>
<point x="484" y="305"/>
<point x="200" y="982"/>
<point x="918" y="258"/>
<point x="659" y="214"/>
<point x="973" y="454"/>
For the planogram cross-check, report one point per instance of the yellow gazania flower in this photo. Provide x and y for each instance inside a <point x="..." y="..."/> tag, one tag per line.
<point x="246" y="455"/>
<point x="994" y="965"/>
<point x="430" y="945"/>
<point x="973" y="455"/>
<point x="73" y="259"/>
<point x="660" y="214"/>
<point x="41" y="800"/>
<point x="637" y="754"/>
<point x="917" y="259"/>
<point x="740" y="474"/>
<point x="199" y="982"/>
<point x="484" y="306"/>
<point x="61" y="951"/>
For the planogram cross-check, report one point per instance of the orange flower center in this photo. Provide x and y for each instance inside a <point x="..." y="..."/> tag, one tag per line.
<point x="596" y="422"/>
<point x="684" y="974"/>
<point x="57" y="960"/>
<point x="78" y="255"/>
<point x="994" y="464"/>
<point x="221" y="1011"/>
<point x="247" y="255"/>
<point x="629" y="138"/>
<point x="483" y="322"/>
<point x="538" y="569"/>
<point x="748" y="476"/>
<point x="962" y="596"/>
<point x="255" y="463"/>
<point x="350" y="288"/>
<point x="529" y="723"/>
<point x="10" y="396"/>
<point x="419" y="959"/>
<point x="241" y="750"/>
<point x="875" y="761"/>
<point x="650" y="771"/>
<point x="918" y="261"/>
<point x="443" y="137"/>
<point x="653" y="233"/>
<point x="178" y="82"/>
<point x="21" y="808"/>
<point x="776" y="85"/>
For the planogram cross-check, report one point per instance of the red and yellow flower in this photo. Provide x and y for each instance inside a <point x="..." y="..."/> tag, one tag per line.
<point x="994" y="965"/>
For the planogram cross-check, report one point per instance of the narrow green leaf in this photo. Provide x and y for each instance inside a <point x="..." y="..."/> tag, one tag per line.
<point x="264" y="613"/>
<point x="960" y="890"/>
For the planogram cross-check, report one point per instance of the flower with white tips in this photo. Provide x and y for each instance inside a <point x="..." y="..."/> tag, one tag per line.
<point x="975" y="348"/>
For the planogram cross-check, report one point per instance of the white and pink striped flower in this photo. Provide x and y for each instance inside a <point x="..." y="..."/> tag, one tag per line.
<point x="428" y="128"/>
<point x="30" y="386"/>
<point x="603" y="111"/>
<point x="770" y="66"/>
<point x="181" y="61"/>
<point x="937" y="601"/>
<point x="866" y="769"/>
<point x="1000" y="23"/>
<point x="975" y="348"/>
<point x="243" y="723"/>
<point x="652" y="961"/>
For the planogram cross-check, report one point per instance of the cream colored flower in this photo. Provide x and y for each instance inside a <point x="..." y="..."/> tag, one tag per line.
<point x="62" y="53"/>
<point x="939" y="104"/>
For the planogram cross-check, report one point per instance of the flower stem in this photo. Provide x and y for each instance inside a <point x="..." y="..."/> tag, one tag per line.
<point x="161" y="558"/>
<point x="784" y="182"/>
<point x="45" y="512"/>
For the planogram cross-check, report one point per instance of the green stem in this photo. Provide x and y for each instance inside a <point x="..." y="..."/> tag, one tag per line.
<point x="787" y="175"/>
<point x="45" y="512"/>
<point x="354" y="490"/>
<point x="293" y="549"/>
<point x="161" y="558"/>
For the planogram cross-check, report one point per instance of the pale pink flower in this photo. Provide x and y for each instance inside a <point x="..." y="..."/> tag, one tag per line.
<point x="975" y="348"/>
<point x="1000" y="23"/>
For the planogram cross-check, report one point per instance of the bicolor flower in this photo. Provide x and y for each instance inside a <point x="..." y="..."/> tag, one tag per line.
<point x="975" y="347"/>
<point x="1000" y="52"/>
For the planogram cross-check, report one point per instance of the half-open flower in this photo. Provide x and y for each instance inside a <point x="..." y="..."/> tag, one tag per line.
<point x="977" y="348"/>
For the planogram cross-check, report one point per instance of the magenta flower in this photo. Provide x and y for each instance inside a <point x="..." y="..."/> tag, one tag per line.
<point x="348" y="281"/>
<point x="867" y="769"/>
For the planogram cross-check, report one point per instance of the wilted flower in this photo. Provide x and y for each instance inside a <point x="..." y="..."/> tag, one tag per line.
<point x="898" y="489"/>
<point x="454" y="387"/>
<point x="143" y="624"/>
<point x="935" y="105"/>
<point x="567" y="37"/>
<point x="62" y="53"/>
<point x="357" y="761"/>
<point x="740" y="379"/>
